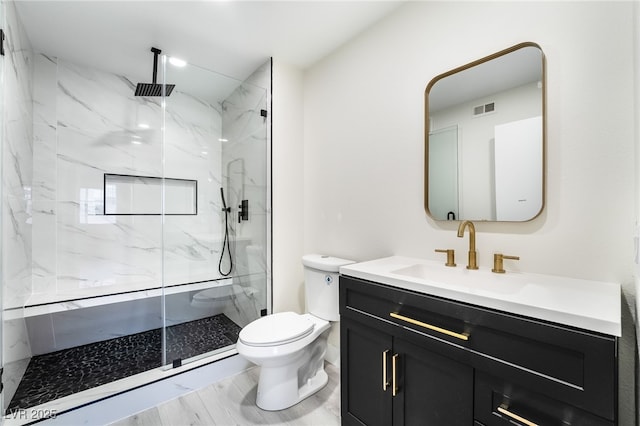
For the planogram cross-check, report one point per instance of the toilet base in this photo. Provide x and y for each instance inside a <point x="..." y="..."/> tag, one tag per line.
<point x="287" y="393"/>
<point x="289" y="372"/>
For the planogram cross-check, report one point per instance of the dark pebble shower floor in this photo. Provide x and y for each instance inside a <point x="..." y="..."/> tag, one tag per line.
<point x="62" y="373"/>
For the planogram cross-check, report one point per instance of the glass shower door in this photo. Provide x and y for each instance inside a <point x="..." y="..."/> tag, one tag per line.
<point x="245" y="159"/>
<point x="208" y="231"/>
<point x="2" y="90"/>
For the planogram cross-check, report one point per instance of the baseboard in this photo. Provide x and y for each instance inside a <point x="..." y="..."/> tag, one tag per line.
<point x="333" y="355"/>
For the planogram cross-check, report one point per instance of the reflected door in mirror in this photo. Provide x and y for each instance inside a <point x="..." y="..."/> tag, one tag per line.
<point x="518" y="169"/>
<point x="443" y="174"/>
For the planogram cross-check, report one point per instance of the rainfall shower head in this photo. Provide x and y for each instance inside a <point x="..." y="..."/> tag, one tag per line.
<point x="154" y="89"/>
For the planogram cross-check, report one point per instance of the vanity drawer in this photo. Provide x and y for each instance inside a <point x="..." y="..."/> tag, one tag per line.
<point x="501" y="403"/>
<point x="575" y="366"/>
<point x="445" y="324"/>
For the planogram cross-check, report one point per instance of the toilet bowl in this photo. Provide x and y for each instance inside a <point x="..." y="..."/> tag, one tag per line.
<point x="290" y="347"/>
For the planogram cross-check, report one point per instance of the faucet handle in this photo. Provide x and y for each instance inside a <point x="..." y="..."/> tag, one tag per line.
<point x="498" y="265"/>
<point x="450" y="256"/>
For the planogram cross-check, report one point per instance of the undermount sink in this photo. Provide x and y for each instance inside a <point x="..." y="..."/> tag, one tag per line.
<point x="419" y="270"/>
<point x="592" y="305"/>
<point x="472" y="281"/>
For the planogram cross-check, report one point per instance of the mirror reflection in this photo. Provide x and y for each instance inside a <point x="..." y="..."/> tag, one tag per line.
<point x="484" y="138"/>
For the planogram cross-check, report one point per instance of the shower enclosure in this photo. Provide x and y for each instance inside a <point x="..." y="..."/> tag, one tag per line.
<point x="125" y="265"/>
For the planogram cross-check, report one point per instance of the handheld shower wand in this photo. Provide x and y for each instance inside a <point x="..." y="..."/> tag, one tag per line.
<point x="225" y="241"/>
<point x="224" y="204"/>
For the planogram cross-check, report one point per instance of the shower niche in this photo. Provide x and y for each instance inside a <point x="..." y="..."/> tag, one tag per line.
<point x="149" y="195"/>
<point x="120" y="272"/>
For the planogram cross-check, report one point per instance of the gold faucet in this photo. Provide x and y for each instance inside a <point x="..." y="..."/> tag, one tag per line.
<point x="473" y="264"/>
<point x="451" y="256"/>
<point x="498" y="262"/>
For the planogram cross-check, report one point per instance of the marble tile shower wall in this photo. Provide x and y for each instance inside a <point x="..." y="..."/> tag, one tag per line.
<point x="17" y="166"/>
<point x="246" y="154"/>
<point x="86" y="124"/>
<point x="66" y="125"/>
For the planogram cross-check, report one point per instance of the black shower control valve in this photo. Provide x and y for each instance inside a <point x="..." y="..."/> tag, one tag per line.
<point x="243" y="213"/>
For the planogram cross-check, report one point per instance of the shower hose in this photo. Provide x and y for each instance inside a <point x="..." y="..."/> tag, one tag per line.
<point x="225" y="241"/>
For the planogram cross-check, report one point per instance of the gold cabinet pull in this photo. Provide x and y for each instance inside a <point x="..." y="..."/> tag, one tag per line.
<point x="503" y="410"/>
<point x="385" y="382"/>
<point x="461" y="336"/>
<point x="394" y="390"/>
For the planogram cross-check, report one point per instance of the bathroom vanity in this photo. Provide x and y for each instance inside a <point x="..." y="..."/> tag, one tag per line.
<point x="429" y="345"/>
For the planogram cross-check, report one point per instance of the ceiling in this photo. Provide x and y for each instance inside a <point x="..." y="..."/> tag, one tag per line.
<point x="232" y="38"/>
<point x="501" y="73"/>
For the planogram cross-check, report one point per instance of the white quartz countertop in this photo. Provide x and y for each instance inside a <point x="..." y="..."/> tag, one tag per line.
<point x="585" y="304"/>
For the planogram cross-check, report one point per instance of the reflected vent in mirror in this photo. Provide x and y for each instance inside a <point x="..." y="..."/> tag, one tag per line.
<point x="484" y="109"/>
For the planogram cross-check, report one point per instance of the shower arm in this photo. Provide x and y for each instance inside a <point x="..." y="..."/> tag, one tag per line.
<point x="156" y="52"/>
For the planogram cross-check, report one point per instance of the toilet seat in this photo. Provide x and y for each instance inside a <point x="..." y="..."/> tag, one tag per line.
<point x="276" y="329"/>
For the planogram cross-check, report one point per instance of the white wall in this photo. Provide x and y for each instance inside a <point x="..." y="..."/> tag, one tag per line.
<point x="363" y="140"/>
<point x="287" y="202"/>
<point x="364" y="136"/>
<point x="289" y="215"/>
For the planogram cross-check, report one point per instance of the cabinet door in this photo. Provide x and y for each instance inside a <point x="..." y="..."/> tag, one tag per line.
<point x="364" y="353"/>
<point x="432" y="390"/>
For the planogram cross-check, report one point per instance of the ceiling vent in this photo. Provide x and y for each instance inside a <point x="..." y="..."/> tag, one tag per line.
<point x="484" y="109"/>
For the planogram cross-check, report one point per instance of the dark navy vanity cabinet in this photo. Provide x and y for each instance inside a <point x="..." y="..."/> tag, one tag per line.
<point x="409" y="358"/>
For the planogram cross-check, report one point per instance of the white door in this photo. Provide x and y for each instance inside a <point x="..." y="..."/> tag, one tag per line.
<point x="443" y="173"/>
<point x="518" y="169"/>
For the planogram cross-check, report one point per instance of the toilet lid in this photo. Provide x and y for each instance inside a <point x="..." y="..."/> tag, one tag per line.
<point x="276" y="329"/>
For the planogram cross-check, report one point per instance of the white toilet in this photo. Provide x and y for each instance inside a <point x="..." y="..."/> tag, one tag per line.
<point x="290" y="347"/>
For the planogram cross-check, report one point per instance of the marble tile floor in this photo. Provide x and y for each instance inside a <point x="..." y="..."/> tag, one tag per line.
<point x="232" y="402"/>
<point x="62" y="373"/>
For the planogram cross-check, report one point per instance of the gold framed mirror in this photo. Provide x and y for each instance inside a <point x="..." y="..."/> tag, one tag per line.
<point x="485" y="138"/>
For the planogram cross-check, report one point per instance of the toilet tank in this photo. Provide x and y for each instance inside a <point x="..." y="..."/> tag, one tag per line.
<point x="321" y="285"/>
